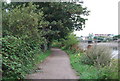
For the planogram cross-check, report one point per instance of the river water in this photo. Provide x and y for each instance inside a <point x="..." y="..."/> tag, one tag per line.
<point x="112" y="45"/>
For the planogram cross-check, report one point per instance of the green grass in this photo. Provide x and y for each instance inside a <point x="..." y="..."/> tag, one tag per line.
<point x="86" y="71"/>
<point x="83" y="70"/>
<point x="38" y="59"/>
<point x="41" y="57"/>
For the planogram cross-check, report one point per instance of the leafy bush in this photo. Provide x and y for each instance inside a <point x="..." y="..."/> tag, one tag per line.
<point x="0" y="61"/>
<point x="21" y="40"/>
<point x="69" y="41"/>
<point x="97" y="55"/>
<point x="24" y="22"/>
<point x="109" y="71"/>
<point x="56" y="43"/>
<point x="18" y="57"/>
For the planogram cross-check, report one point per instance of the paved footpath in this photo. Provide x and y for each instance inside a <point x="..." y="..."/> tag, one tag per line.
<point x="55" y="66"/>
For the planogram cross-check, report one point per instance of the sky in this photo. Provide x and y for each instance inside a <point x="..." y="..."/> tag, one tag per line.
<point x="103" y="18"/>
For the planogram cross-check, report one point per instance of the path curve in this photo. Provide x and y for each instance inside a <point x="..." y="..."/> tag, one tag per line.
<point x="56" y="66"/>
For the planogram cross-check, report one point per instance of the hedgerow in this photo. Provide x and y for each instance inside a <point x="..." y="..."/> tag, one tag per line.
<point x="18" y="57"/>
<point x="21" y="40"/>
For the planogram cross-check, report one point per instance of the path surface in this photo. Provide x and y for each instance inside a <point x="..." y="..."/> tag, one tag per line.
<point x="56" y="66"/>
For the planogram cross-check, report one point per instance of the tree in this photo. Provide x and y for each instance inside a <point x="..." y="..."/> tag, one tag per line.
<point x="90" y="37"/>
<point x="116" y="37"/>
<point x="23" y="22"/>
<point x="63" y="18"/>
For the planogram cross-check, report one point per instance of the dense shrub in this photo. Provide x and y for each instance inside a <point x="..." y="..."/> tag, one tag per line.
<point x="67" y="43"/>
<point x="22" y="21"/>
<point x="56" y="43"/>
<point x="18" y="56"/>
<point x="21" y="40"/>
<point x="98" y="55"/>
<point x="0" y="66"/>
<point x="71" y="40"/>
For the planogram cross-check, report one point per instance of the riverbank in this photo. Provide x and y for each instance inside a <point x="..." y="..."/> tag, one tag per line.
<point x="86" y="71"/>
<point x="113" y="45"/>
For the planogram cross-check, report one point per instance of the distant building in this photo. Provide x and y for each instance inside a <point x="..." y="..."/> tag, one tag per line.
<point x="110" y="35"/>
<point x="97" y="38"/>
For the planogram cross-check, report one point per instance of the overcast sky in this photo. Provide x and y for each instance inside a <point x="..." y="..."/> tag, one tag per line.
<point x="103" y="18"/>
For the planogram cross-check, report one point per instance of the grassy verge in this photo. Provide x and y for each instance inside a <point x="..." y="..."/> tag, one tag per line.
<point x="38" y="59"/>
<point x="42" y="56"/>
<point x="86" y="71"/>
<point x="83" y="70"/>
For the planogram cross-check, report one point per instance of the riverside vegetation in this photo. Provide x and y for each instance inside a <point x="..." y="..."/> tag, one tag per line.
<point x="95" y="63"/>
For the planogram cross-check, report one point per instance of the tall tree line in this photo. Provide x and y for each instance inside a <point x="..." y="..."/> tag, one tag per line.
<point x="60" y="18"/>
